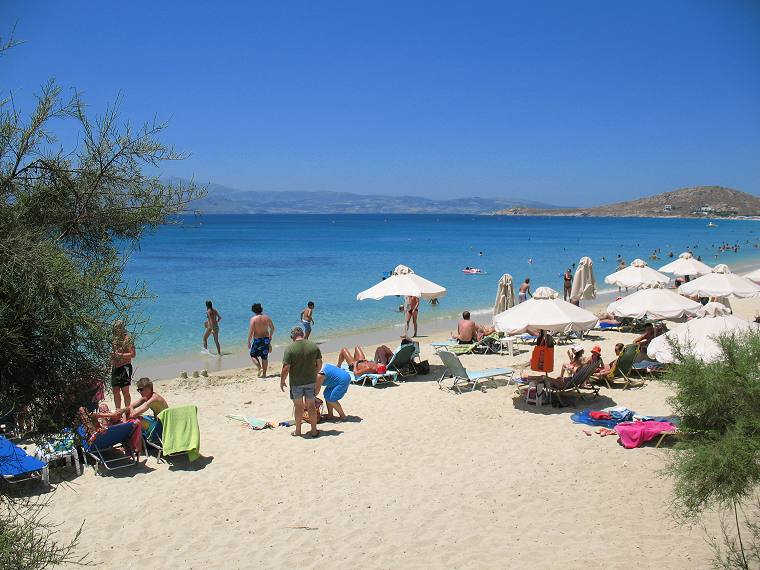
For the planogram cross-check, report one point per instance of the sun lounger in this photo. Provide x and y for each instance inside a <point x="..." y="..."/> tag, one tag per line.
<point x="8" y="423"/>
<point x="489" y="344"/>
<point x="374" y="379"/>
<point x="16" y="465"/>
<point x="460" y="374"/>
<point x="113" y="449"/>
<point x="401" y="360"/>
<point x="576" y="383"/>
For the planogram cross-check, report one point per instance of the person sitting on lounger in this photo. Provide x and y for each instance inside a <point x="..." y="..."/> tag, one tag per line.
<point x="148" y="400"/>
<point x="358" y="362"/>
<point x="467" y="330"/>
<point x="594" y="361"/>
<point x="575" y="354"/>
<point x="605" y="370"/>
<point x="644" y="340"/>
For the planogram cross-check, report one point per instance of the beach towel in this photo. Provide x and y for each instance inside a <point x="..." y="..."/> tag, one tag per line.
<point x="636" y="434"/>
<point x="584" y="417"/>
<point x="181" y="432"/>
<point x="253" y="423"/>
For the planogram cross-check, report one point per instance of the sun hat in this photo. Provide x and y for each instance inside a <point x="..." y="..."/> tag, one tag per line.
<point x="597" y="349"/>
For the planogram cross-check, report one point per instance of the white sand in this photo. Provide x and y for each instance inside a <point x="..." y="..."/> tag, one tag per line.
<point x="425" y="479"/>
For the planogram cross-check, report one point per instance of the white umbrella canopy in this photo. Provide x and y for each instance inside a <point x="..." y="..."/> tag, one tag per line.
<point x="699" y="335"/>
<point x="754" y="276"/>
<point x="505" y="294"/>
<point x="405" y="282"/>
<point x="637" y="274"/>
<point x="654" y="303"/>
<point x="721" y="283"/>
<point x="584" y="283"/>
<point x="686" y="264"/>
<point x="544" y="311"/>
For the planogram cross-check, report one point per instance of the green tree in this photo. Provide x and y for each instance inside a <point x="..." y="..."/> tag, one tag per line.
<point x="717" y="464"/>
<point x="69" y="217"/>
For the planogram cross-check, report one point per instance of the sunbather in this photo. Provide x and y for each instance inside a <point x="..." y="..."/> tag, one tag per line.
<point x="605" y="370"/>
<point x="575" y="354"/>
<point x="467" y="330"/>
<point x="358" y="362"/>
<point x="148" y="400"/>
<point x="595" y="361"/>
<point x="644" y="340"/>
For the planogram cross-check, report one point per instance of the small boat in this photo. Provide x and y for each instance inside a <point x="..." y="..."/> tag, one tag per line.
<point x="472" y="271"/>
<point x="711" y="225"/>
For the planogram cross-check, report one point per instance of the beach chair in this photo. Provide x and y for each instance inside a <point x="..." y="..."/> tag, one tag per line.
<point x="180" y="432"/>
<point x="621" y="371"/>
<point x="489" y="344"/>
<point x="8" y="422"/>
<point x="374" y="379"/>
<point x="16" y="465"/>
<point x="576" y="383"/>
<point x="460" y="375"/>
<point x="111" y="449"/>
<point x="401" y="361"/>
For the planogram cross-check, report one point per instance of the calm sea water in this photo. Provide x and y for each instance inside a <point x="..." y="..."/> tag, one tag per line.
<point x="283" y="261"/>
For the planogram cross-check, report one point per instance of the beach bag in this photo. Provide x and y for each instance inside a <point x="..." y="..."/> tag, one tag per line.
<point x="422" y="367"/>
<point x="542" y="359"/>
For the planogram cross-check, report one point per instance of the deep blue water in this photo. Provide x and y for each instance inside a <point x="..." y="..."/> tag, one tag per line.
<point x="282" y="261"/>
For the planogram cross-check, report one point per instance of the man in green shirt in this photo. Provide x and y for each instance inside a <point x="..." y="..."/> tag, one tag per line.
<point x="302" y="361"/>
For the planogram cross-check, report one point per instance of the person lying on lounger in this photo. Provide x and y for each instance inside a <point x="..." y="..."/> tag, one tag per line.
<point x="358" y="362"/>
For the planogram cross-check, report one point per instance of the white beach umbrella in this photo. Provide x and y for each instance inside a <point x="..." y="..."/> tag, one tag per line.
<point x="505" y="294"/>
<point x="686" y="264"/>
<point x="699" y="334"/>
<point x="637" y="274"/>
<point x="544" y="311"/>
<point x="754" y="276"/>
<point x="584" y="283"/>
<point x="721" y="283"/>
<point x="405" y="282"/>
<point x="654" y="303"/>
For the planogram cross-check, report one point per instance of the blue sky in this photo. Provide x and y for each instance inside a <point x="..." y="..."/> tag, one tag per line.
<point x="573" y="103"/>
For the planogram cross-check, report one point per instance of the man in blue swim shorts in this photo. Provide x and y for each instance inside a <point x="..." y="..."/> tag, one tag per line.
<point x="260" y="333"/>
<point x="335" y="381"/>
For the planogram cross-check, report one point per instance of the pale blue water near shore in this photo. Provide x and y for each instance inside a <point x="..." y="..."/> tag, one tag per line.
<point x="282" y="261"/>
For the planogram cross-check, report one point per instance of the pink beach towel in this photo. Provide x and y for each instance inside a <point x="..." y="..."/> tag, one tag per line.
<point x="636" y="434"/>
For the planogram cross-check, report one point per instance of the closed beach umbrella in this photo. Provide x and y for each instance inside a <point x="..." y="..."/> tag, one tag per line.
<point x="584" y="283"/>
<point x="654" y="303"/>
<point x="405" y="282"/>
<point x="505" y="294"/>
<point x="544" y="311"/>
<point x="699" y="334"/>
<point x="637" y="274"/>
<point x="686" y="264"/>
<point x="721" y="283"/>
<point x="754" y="276"/>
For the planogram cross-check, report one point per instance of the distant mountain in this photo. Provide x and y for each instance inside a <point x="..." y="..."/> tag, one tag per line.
<point x="685" y="202"/>
<point x="224" y="200"/>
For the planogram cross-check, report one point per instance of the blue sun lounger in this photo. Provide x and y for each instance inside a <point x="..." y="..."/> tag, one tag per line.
<point x="460" y="374"/>
<point x="17" y="466"/>
<point x="117" y="436"/>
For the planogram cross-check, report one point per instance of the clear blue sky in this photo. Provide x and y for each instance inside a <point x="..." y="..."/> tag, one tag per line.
<point x="565" y="102"/>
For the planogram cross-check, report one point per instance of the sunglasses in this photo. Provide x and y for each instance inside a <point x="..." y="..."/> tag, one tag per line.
<point x="141" y="389"/>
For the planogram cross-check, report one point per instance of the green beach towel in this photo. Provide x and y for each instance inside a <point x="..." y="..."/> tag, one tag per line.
<point x="180" y="431"/>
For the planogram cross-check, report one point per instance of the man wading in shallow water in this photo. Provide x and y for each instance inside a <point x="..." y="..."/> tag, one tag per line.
<point x="260" y="333"/>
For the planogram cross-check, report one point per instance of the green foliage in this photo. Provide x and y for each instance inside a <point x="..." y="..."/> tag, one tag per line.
<point x="68" y="219"/>
<point x="719" y="407"/>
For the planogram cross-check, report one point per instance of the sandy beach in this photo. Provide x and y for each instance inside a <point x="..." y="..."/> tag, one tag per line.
<point x="420" y="477"/>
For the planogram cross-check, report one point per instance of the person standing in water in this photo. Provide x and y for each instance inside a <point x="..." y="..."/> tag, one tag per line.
<point x="307" y="319"/>
<point x="524" y="292"/>
<point x="412" y="308"/>
<point x="123" y="352"/>
<point x="260" y="333"/>
<point x="213" y="318"/>
<point x="568" y="284"/>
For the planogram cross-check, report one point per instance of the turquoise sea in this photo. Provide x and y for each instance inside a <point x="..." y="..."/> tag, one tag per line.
<point x="283" y="261"/>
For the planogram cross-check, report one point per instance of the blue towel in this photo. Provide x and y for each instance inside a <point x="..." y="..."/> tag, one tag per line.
<point x="14" y="461"/>
<point x="584" y="418"/>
